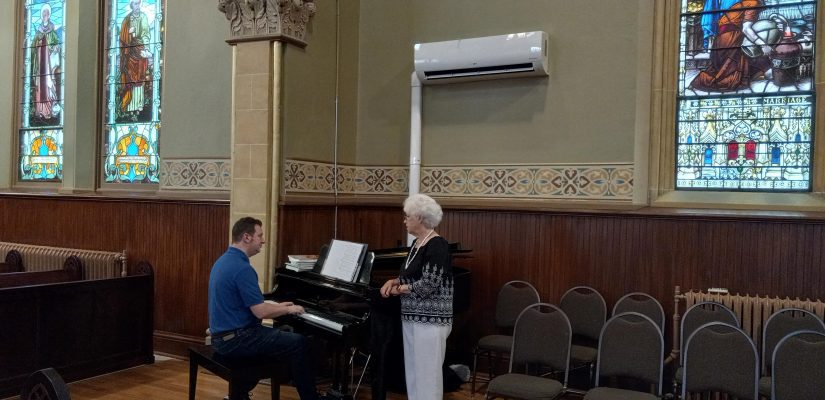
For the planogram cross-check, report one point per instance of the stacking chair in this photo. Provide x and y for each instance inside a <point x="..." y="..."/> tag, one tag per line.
<point x="720" y="358"/>
<point x="799" y="366"/>
<point x="779" y="325"/>
<point x="631" y="346"/>
<point x="587" y="311"/>
<point x="644" y="304"/>
<point x="541" y="339"/>
<point x="696" y="316"/>
<point x="513" y="297"/>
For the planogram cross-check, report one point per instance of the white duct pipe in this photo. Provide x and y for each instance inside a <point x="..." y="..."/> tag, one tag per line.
<point x="415" y="139"/>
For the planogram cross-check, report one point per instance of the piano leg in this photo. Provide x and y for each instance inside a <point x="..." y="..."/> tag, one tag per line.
<point x="339" y="390"/>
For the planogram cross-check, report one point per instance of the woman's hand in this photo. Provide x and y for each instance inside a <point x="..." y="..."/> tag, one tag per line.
<point x="389" y="287"/>
<point x="402" y="289"/>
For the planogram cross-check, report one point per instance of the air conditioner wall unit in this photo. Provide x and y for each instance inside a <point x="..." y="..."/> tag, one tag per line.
<point x="491" y="57"/>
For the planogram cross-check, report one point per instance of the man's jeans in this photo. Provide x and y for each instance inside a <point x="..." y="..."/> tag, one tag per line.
<point x="260" y="341"/>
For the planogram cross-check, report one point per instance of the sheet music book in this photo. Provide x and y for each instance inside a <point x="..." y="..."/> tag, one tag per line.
<point x="343" y="260"/>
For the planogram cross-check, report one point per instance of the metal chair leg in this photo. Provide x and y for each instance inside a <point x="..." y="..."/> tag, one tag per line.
<point x="361" y="378"/>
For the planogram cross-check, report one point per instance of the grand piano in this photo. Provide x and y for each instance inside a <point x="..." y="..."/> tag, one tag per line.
<point x="348" y="314"/>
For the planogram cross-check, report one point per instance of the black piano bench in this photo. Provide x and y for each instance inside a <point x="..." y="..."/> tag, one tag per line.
<point x="235" y="369"/>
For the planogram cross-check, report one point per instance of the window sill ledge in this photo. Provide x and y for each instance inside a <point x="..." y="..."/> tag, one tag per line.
<point x="163" y="196"/>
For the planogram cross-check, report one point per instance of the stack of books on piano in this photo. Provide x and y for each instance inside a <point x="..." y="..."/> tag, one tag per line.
<point x="301" y="262"/>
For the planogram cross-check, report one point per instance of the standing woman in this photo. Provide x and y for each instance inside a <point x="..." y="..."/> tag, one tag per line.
<point x="425" y="286"/>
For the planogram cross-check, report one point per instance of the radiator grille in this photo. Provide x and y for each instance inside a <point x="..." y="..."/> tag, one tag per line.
<point x="753" y="311"/>
<point x="97" y="264"/>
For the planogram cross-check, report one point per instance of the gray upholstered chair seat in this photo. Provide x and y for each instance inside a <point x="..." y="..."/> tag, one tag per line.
<point x="498" y="343"/>
<point x="541" y="341"/>
<point x="582" y="354"/>
<point x="518" y="386"/>
<point x="765" y="386"/>
<point x="513" y="298"/>
<point x="606" y="393"/>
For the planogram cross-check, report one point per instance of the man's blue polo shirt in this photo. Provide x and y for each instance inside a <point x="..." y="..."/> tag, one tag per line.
<point x="233" y="288"/>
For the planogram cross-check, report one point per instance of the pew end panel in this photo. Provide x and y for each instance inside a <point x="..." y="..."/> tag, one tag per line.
<point x="81" y="328"/>
<point x="13" y="262"/>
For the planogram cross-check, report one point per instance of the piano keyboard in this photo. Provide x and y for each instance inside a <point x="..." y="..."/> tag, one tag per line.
<point x="321" y="321"/>
<point x="317" y="317"/>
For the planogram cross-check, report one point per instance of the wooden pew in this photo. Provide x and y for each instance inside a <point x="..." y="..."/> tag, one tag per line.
<point x="81" y="328"/>
<point x="13" y="262"/>
<point x="72" y="271"/>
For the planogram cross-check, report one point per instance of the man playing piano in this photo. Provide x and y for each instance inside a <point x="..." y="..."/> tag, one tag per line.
<point x="236" y="308"/>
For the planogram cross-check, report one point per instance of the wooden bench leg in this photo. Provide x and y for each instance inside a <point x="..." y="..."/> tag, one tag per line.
<point x="193" y="375"/>
<point x="275" y="386"/>
<point x="235" y="392"/>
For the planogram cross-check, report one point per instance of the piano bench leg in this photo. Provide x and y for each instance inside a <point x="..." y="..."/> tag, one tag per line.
<point x="193" y="376"/>
<point x="235" y="392"/>
<point x="275" y="387"/>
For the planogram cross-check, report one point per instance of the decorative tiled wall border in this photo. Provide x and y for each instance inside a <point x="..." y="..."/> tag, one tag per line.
<point x="612" y="182"/>
<point x="315" y="177"/>
<point x="195" y="174"/>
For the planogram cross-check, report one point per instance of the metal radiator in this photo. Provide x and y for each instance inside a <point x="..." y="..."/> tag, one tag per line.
<point x="752" y="311"/>
<point x="97" y="264"/>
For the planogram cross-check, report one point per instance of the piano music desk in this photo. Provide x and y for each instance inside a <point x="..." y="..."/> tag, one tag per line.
<point x="231" y="370"/>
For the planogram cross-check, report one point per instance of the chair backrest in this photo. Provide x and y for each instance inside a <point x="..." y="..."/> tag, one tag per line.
<point x="644" y="304"/>
<point x="721" y="358"/>
<point x="586" y="309"/>
<point x="541" y="336"/>
<point x="780" y="324"/>
<point x="631" y="345"/>
<point x="700" y="314"/>
<point x="513" y="297"/>
<point x="799" y="366"/>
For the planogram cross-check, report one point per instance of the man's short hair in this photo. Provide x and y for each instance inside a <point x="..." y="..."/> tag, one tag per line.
<point x="244" y="225"/>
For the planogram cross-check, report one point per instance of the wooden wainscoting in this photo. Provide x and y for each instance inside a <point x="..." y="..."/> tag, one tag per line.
<point x="180" y="238"/>
<point x="616" y="252"/>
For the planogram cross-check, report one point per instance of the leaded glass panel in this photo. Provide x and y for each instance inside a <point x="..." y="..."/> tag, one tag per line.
<point x="40" y="156"/>
<point x="134" y="66"/>
<point x="746" y="98"/>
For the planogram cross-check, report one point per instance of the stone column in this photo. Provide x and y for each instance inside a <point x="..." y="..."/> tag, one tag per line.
<point x="259" y="33"/>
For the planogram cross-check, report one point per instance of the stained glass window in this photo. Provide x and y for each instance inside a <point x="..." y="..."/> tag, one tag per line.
<point x="745" y="95"/>
<point x="133" y="69"/>
<point x="41" y="117"/>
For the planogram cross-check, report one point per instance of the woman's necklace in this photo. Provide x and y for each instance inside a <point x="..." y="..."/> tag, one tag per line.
<point x="414" y="251"/>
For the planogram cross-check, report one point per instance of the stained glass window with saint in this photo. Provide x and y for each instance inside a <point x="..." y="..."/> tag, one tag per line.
<point x="133" y="68"/>
<point x="40" y="138"/>
<point x="746" y="98"/>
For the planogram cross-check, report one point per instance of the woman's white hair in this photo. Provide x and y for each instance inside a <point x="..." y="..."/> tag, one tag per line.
<point x="424" y="207"/>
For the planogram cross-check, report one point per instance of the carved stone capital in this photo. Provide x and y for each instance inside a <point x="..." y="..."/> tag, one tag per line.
<point x="284" y="20"/>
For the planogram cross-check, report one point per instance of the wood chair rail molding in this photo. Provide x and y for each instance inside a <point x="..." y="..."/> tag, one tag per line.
<point x="560" y="208"/>
<point x="131" y="197"/>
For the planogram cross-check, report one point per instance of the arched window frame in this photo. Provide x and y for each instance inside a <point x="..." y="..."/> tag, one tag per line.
<point x="662" y="149"/>
<point x="22" y="97"/>
<point x="110" y="126"/>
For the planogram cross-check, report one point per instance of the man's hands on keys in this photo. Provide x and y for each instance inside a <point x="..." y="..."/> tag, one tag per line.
<point x="291" y="308"/>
